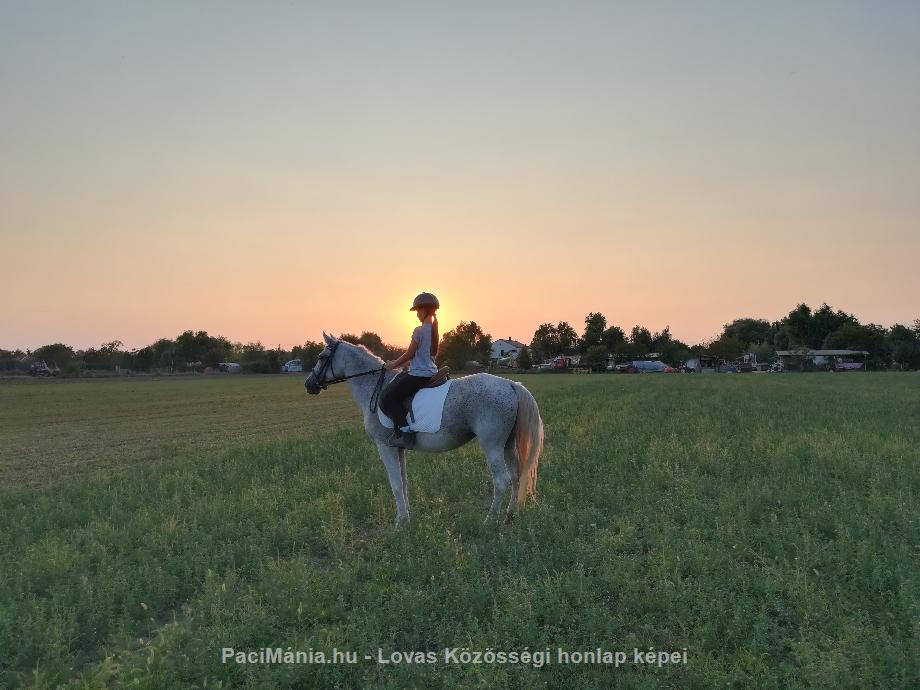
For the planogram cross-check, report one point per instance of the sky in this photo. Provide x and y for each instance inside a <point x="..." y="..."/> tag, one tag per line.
<point x="270" y="171"/>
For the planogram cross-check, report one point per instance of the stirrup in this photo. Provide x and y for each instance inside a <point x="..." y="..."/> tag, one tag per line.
<point x="405" y="440"/>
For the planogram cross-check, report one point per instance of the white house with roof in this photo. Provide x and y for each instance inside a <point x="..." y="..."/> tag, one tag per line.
<point x="505" y="347"/>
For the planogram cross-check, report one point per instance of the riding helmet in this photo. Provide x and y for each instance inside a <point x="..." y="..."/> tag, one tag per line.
<point x="425" y="299"/>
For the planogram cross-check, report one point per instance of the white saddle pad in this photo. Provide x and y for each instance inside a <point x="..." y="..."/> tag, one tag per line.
<point x="427" y="409"/>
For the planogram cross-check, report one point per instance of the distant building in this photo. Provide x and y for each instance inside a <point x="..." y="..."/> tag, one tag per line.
<point x="506" y="347"/>
<point x="294" y="366"/>
<point x="830" y="360"/>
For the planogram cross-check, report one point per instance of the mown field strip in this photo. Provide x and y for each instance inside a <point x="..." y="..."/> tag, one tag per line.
<point x="52" y="430"/>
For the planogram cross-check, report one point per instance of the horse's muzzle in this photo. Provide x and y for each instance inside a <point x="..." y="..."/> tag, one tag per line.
<point x="311" y="385"/>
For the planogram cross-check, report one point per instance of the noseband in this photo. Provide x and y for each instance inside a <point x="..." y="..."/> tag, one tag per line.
<point x="325" y="364"/>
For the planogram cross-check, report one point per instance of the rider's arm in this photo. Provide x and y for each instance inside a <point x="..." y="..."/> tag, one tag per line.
<point x="406" y="356"/>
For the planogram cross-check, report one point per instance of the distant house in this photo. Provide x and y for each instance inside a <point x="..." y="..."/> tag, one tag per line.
<point x="506" y="347"/>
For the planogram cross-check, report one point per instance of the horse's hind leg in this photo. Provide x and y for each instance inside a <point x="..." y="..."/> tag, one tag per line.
<point x="495" y="457"/>
<point x="511" y="463"/>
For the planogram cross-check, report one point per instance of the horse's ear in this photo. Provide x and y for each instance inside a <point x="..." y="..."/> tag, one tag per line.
<point x="328" y="338"/>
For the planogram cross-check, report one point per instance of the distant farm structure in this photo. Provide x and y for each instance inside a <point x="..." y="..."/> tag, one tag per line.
<point x="505" y="350"/>
<point x="826" y="360"/>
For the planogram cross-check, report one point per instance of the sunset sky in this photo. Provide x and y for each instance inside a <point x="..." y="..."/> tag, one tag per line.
<point x="267" y="171"/>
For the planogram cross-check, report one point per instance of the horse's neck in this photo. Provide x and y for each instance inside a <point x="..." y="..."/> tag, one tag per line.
<point x="362" y="387"/>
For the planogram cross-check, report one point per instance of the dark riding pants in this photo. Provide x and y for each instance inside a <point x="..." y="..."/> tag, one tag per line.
<point x="398" y="390"/>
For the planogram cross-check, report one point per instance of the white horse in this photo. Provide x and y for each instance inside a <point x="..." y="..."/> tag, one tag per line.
<point x="500" y="413"/>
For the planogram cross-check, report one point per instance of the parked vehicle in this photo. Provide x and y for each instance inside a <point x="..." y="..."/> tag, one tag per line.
<point x="841" y="365"/>
<point x="294" y="366"/>
<point x="42" y="369"/>
<point x="706" y="364"/>
<point x="652" y="367"/>
<point x="230" y="367"/>
<point x="747" y="364"/>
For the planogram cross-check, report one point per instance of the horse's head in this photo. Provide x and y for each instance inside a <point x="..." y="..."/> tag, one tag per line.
<point x="324" y="369"/>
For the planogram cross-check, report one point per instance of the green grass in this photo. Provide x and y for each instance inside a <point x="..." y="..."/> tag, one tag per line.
<point x="767" y="524"/>
<point x="61" y="428"/>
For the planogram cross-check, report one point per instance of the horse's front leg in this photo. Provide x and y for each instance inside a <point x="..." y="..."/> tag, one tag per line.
<point x="391" y="460"/>
<point x="405" y="480"/>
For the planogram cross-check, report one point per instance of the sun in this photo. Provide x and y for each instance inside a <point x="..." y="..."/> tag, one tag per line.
<point x="409" y="320"/>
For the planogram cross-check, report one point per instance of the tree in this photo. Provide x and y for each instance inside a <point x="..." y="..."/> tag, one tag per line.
<point x="810" y="329"/>
<point x="596" y="356"/>
<point x="614" y="339"/>
<point x="749" y="330"/>
<point x="14" y="360"/>
<point x="372" y="342"/>
<point x="641" y="340"/>
<point x="726" y="347"/>
<point x="253" y="358"/>
<point x="568" y="338"/>
<point x="904" y="344"/>
<point x="662" y="340"/>
<point x="198" y="346"/>
<point x="189" y="345"/>
<point x="670" y="350"/>
<point x="59" y="353"/>
<point x="545" y="342"/>
<point x="111" y="353"/>
<point x="463" y="344"/>
<point x="763" y="351"/>
<point x="825" y="321"/>
<point x="595" y="325"/>
<point x="274" y="359"/>
<point x="857" y="336"/>
<point x="850" y="336"/>
<point x="523" y="358"/>
<point x="798" y="326"/>
<point x="166" y="354"/>
<point x="782" y="340"/>
<point x="106" y="356"/>
<point x="307" y="353"/>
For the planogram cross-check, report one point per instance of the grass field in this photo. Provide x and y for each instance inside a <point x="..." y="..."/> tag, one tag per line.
<point x="766" y="524"/>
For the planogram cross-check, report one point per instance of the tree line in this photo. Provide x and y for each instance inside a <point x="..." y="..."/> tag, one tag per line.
<point x="599" y="342"/>
<point x="189" y="351"/>
<point x="821" y="328"/>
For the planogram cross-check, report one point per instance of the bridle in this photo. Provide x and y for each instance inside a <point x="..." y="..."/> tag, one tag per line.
<point x="325" y="365"/>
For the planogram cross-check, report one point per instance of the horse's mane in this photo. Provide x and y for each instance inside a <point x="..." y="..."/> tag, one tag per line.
<point x="364" y="349"/>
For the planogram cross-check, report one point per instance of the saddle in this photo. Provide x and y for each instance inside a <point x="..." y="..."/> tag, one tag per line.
<point x="439" y="379"/>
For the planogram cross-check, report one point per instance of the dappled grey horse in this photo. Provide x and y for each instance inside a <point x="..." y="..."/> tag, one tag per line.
<point x="500" y="413"/>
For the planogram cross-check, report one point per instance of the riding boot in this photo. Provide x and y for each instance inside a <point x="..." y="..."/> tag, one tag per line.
<point x="402" y="439"/>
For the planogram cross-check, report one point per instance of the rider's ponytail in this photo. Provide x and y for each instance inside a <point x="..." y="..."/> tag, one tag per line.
<point x="434" y="333"/>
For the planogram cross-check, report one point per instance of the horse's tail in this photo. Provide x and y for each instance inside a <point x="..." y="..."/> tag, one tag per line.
<point x="528" y="436"/>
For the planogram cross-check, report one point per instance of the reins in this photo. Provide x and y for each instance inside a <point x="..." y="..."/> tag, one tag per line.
<point x="327" y="366"/>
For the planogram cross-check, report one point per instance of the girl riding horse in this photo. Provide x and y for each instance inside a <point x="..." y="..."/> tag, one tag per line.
<point x="420" y="354"/>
